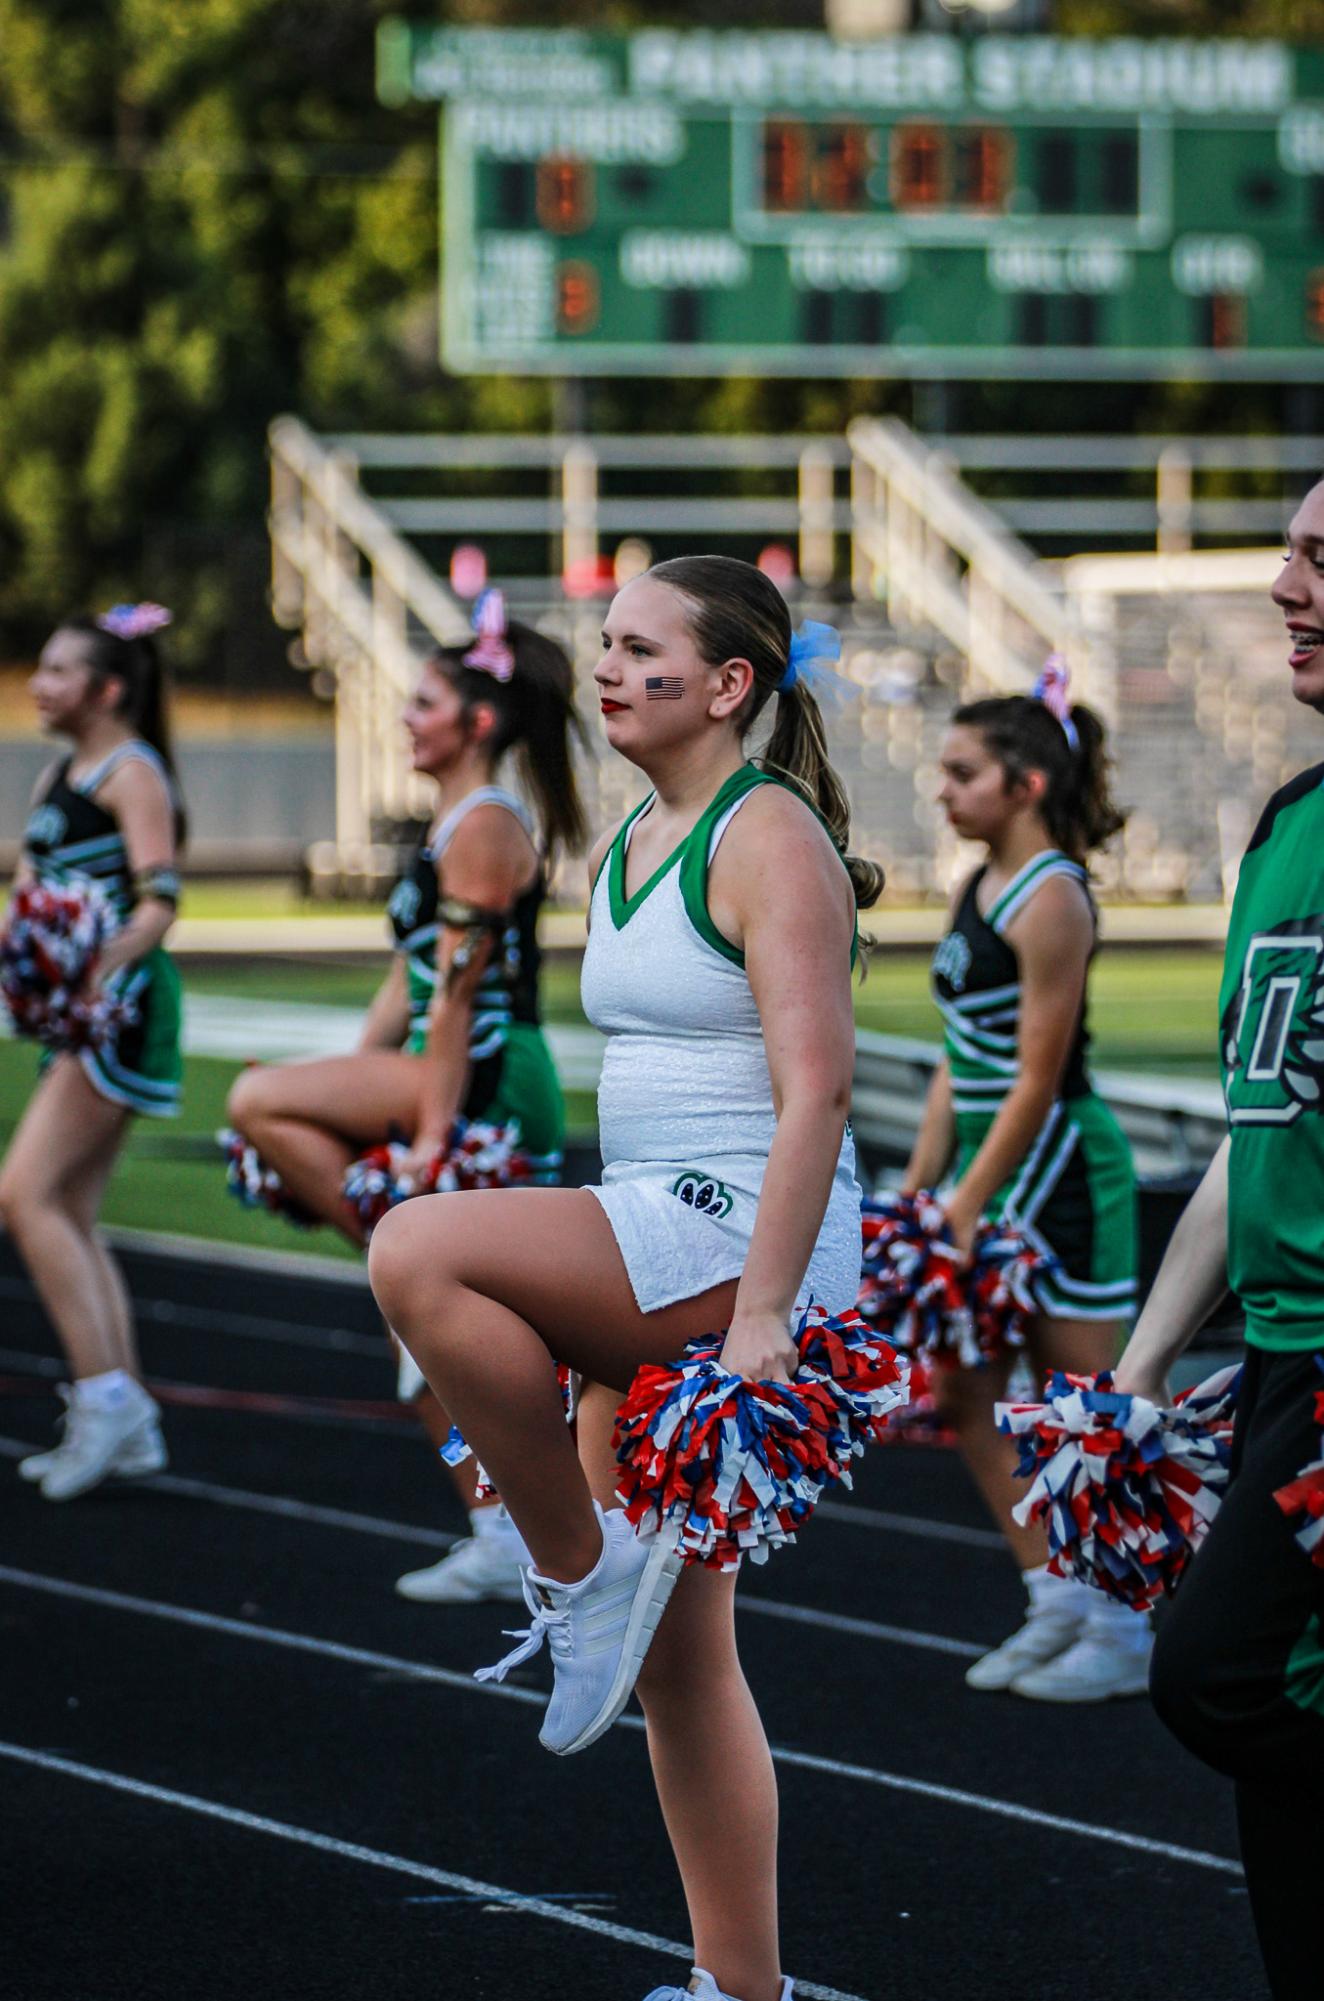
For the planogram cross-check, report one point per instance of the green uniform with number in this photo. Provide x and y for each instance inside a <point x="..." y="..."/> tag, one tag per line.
<point x="1271" y="1013"/>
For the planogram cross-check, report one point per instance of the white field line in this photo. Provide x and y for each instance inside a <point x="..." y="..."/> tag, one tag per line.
<point x="242" y="1326"/>
<point x="283" y="1505"/>
<point x="376" y="1858"/>
<point x="290" y="1509"/>
<point x="273" y="1636"/>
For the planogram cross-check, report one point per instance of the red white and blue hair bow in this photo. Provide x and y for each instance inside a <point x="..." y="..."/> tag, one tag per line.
<point x="1051" y="690"/>
<point x="813" y="648"/>
<point x="492" y="653"/>
<point x="135" y="621"/>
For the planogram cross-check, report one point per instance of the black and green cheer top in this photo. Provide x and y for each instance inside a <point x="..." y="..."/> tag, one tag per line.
<point x="508" y="990"/>
<point x="977" y="987"/>
<point x="70" y="837"/>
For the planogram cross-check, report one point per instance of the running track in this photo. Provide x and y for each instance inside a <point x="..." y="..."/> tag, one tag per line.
<point x="234" y="1764"/>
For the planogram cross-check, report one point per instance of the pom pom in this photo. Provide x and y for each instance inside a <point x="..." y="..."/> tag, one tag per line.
<point x="251" y="1181"/>
<point x="475" y="1156"/>
<point x="739" y="1465"/>
<point x="456" y="1449"/>
<point x="1302" y="1499"/>
<point x="53" y="938"/>
<point x="1127" y="1488"/>
<point x="915" y="1284"/>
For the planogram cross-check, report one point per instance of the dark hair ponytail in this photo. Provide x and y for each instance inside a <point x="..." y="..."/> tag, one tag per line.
<point x="738" y="613"/>
<point x="1023" y="736"/>
<point x="144" y="705"/>
<point x="536" y="717"/>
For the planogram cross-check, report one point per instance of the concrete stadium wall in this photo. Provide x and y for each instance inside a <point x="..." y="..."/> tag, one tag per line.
<point x="254" y="802"/>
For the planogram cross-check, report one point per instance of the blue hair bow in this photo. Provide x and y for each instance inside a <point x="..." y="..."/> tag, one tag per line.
<point x="813" y="648"/>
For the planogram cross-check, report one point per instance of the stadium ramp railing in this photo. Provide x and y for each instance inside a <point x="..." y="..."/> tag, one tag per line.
<point x="368" y="610"/>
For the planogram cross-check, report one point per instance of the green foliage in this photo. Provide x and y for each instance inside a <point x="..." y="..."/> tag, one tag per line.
<point x="210" y="220"/>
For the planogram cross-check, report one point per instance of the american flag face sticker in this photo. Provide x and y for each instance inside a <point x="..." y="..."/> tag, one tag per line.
<point x="663" y="688"/>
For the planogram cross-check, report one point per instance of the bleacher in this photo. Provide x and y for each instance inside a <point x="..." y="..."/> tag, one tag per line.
<point x="1182" y="650"/>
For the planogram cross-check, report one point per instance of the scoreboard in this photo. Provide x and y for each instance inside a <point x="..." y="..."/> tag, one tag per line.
<point x="719" y="202"/>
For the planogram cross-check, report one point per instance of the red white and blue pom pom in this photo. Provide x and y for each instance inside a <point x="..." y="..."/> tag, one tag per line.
<point x="251" y="1181"/>
<point x="53" y="938"/>
<point x="475" y="1156"/>
<point x="456" y="1449"/>
<point x="739" y="1465"/>
<point x="1302" y="1499"/>
<point x="915" y="1284"/>
<point x="1126" y="1487"/>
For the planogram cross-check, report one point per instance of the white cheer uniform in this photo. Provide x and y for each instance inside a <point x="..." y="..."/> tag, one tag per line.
<point x="685" y="1112"/>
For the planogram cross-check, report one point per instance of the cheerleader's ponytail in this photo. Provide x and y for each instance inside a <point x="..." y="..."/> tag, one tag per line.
<point x="120" y="644"/>
<point x="738" y="613"/>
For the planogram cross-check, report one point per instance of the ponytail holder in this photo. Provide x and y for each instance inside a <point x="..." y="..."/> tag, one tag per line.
<point x="813" y="648"/>
<point x="492" y="654"/>
<point x="135" y="621"/>
<point x="1051" y="690"/>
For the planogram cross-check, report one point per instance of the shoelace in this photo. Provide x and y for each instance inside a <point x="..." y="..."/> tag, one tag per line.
<point x="550" y="1623"/>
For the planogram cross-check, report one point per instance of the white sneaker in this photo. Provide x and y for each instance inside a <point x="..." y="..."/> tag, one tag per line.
<point x="123" y="1442"/>
<point x="598" y="1629"/>
<point x="141" y="1454"/>
<point x="1045" y="1634"/>
<point x="703" y="1987"/>
<point x="481" y="1567"/>
<point x="1097" y="1666"/>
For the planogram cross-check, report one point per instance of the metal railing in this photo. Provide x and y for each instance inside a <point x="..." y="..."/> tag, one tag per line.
<point x="944" y="562"/>
<point x="358" y="595"/>
<point x="581" y="512"/>
<point x="1170" y="490"/>
<point x="947" y="598"/>
<point x="1174" y="1125"/>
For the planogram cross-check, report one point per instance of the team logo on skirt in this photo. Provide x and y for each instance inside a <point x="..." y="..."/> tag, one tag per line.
<point x="703" y="1192"/>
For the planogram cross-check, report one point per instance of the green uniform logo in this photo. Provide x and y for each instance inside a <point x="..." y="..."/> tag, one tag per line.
<point x="951" y="961"/>
<point x="703" y="1192"/>
<point x="46" y="828"/>
<point x="403" y="908"/>
<point x="1273" y="1029"/>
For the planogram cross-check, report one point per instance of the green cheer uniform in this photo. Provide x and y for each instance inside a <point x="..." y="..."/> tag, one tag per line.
<point x="1271" y="1015"/>
<point x="1074" y="1193"/>
<point x="70" y="839"/>
<point x="512" y="1078"/>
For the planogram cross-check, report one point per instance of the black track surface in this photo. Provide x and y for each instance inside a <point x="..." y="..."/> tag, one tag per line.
<point x="889" y="1895"/>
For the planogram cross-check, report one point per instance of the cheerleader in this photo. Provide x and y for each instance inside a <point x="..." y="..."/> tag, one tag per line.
<point x="464" y="1041"/>
<point x="1012" y="1116"/>
<point x="718" y="966"/>
<point x="1238" y="1670"/>
<point x="107" y="815"/>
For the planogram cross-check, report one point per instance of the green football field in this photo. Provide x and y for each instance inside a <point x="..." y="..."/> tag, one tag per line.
<point x="1151" y="1011"/>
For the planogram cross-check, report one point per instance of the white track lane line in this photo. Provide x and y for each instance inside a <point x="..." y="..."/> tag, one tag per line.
<point x="115" y="1601"/>
<point x="376" y="1858"/>
<point x="244" y="1326"/>
<point x="340" y="1518"/>
<point x="859" y="1517"/>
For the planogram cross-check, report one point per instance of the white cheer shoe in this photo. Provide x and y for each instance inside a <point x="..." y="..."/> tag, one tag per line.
<point x="123" y="1442"/>
<point x="598" y="1629"/>
<point x="703" y="1987"/>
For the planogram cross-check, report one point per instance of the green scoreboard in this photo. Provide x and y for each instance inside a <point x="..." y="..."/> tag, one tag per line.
<point x="720" y="202"/>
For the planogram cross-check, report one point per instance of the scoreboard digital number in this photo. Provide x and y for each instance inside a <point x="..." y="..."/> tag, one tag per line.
<point x="695" y="202"/>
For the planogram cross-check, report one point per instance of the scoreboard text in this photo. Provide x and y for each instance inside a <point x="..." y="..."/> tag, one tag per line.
<point x="720" y="202"/>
